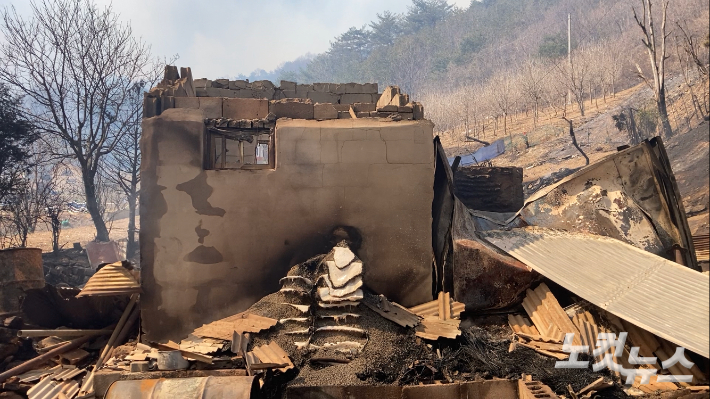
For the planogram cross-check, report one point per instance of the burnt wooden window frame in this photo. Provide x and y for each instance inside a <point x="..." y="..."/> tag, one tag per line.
<point x="239" y="135"/>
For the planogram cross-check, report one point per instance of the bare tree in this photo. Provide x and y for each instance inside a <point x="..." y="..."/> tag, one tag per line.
<point x="532" y="85"/>
<point x="692" y="54"/>
<point x="77" y="65"/>
<point x="657" y="58"/>
<point x="122" y="167"/>
<point x="574" y="141"/>
<point x="502" y="90"/>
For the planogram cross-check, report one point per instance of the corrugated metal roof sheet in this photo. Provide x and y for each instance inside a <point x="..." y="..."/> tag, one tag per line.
<point x="651" y="292"/>
<point x="48" y="389"/>
<point x="113" y="279"/>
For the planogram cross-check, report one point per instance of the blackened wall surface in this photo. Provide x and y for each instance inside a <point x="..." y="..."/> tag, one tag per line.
<point x="215" y="241"/>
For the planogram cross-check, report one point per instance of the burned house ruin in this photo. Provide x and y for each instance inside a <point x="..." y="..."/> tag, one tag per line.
<point x="243" y="180"/>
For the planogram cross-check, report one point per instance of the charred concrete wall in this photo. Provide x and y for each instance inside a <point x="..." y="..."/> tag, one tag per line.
<point x="215" y="241"/>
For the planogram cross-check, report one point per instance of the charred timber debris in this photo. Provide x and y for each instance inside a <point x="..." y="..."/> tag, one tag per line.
<point x="587" y="285"/>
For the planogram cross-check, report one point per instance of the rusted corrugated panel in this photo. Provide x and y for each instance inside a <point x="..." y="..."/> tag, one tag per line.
<point x="493" y="189"/>
<point x="67" y="373"/>
<point x="113" y="279"/>
<point x="651" y="292"/>
<point x="236" y="387"/>
<point x="242" y="322"/>
<point x="702" y="247"/>
<point x="49" y="389"/>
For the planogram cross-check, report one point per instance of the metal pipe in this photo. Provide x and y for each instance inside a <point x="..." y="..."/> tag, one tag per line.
<point x="236" y="387"/>
<point x="30" y="364"/>
<point x="61" y="333"/>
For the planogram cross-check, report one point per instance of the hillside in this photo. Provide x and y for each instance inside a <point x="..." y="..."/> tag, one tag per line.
<point x="551" y="149"/>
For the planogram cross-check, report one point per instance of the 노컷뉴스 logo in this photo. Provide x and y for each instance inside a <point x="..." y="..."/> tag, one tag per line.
<point x="606" y="341"/>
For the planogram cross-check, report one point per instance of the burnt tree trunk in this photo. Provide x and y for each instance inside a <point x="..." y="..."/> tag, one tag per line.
<point x="574" y="142"/>
<point x="92" y="203"/>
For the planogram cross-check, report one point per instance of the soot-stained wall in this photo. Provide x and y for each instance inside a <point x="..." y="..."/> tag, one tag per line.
<point x="213" y="242"/>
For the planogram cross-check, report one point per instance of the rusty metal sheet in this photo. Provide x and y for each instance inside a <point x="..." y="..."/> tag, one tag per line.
<point x="392" y="311"/>
<point x="236" y="387"/>
<point x="113" y="279"/>
<point x="631" y="196"/>
<point x="102" y="252"/>
<point x="493" y="189"/>
<point x="653" y="293"/>
<point x="242" y="322"/>
<point x="484" y="277"/>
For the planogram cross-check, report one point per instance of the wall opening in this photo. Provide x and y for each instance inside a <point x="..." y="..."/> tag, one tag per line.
<point x="227" y="148"/>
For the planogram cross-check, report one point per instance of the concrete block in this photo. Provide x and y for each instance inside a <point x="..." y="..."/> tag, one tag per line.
<point x="320" y="97"/>
<point x="364" y="107"/>
<point x="355" y="98"/>
<point x="363" y="151"/>
<point x="387" y="94"/>
<point x="202" y="83"/>
<point x="370" y="88"/>
<point x="409" y="152"/>
<point x="346" y="175"/>
<point x="245" y="108"/>
<point x="344" y="114"/>
<point x="286" y="85"/>
<point x="219" y="92"/>
<point x="166" y="102"/>
<point x="388" y="108"/>
<point x="342" y="107"/>
<point x="418" y="111"/>
<point x="211" y="106"/>
<point x="324" y="111"/>
<point x="263" y="93"/>
<point x="293" y="109"/>
<point x="150" y="107"/>
<point x="400" y="100"/>
<point x="221" y="83"/>
<point x="201" y="92"/>
<point x="279" y="94"/>
<point x="244" y="93"/>
<point x="302" y="90"/>
<point x="289" y="93"/>
<point x="321" y="87"/>
<point x="187" y="102"/>
<point x="362" y="114"/>
<point x="140" y="366"/>
<point x="262" y="84"/>
<point x="351" y="88"/>
<point x="237" y="84"/>
<point x="405" y="109"/>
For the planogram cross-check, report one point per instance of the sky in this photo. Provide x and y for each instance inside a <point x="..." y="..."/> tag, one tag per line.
<point x="223" y="38"/>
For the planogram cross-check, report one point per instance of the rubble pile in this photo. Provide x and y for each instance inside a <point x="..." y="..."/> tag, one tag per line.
<point x="69" y="267"/>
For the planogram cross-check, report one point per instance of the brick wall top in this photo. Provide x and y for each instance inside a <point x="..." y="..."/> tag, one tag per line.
<point x="244" y="100"/>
